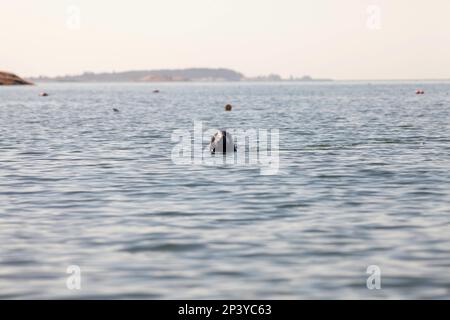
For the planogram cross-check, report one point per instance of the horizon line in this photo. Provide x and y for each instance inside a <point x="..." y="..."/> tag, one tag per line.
<point x="286" y="79"/>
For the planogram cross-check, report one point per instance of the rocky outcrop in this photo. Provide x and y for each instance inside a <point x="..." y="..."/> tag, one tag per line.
<point x="7" y="78"/>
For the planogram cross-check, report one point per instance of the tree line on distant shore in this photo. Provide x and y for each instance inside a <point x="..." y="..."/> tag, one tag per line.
<point x="169" y="75"/>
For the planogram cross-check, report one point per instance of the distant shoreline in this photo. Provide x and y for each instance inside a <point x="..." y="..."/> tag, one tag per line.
<point x="189" y="75"/>
<point x="172" y="75"/>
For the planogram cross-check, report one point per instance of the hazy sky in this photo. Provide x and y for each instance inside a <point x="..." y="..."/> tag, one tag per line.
<point x="342" y="39"/>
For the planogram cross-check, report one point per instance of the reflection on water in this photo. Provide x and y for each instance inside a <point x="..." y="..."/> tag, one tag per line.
<point x="363" y="180"/>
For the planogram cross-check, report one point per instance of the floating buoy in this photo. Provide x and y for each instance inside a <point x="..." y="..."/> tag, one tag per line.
<point x="155" y="91"/>
<point x="228" y="107"/>
<point x="43" y="94"/>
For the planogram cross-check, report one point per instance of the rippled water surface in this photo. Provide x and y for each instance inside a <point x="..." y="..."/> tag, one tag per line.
<point x="364" y="180"/>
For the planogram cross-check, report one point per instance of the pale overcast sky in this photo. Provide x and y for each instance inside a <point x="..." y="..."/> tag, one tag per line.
<point x="341" y="39"/>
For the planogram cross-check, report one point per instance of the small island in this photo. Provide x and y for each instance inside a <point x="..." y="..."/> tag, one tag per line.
<point x="8" y="79"/>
